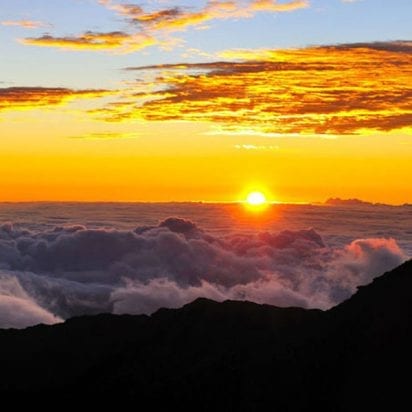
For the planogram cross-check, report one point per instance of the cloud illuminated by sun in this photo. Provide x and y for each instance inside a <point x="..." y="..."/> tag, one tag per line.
<point x="327" y="90"/>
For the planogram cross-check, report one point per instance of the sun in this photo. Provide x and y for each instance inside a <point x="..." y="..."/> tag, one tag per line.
<point x="256" y="199"/>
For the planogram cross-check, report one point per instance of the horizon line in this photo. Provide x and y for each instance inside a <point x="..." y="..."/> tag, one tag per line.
<point x="211" y="202"/>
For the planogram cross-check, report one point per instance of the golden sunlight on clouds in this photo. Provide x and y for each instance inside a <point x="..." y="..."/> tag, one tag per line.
<point x="330" y="90"/>
<point x="270" y="5"/>
<point x="26" y="98"/>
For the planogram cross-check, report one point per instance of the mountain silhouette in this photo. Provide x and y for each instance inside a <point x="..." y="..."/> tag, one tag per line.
<point x="230" y="356"/>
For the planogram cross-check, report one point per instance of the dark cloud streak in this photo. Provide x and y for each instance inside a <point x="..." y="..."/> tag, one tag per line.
<point x="25" y="98"/>
<point x="116" y="41"/>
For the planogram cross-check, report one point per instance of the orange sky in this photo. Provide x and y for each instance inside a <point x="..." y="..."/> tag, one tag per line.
<point x="44" y="159"/>
<point x="301" y="124"/>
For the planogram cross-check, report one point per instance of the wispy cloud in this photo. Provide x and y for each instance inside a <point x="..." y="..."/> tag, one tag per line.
<point x="344" y="89"/>
<point x="276" y="6"/>
<point x="105" y="136"/>
<point x="178" y="17"/>
<point x="116" y="41"/>
<point x="254" y="147"/>
<point x="26" y="98"/>
<point x="26" y="24"/>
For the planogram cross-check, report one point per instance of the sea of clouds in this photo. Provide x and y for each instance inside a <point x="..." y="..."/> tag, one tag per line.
<point x="52" y="274"/>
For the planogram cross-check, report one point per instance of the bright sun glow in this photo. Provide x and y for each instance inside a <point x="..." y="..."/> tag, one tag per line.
<point x="256" y="199"/>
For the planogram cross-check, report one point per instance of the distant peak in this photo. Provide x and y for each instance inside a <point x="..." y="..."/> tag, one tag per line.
<point x="336" y="201"/>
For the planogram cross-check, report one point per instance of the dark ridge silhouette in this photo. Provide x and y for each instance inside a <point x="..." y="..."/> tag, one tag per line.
<point x="336" y="201"/>
<point x="230" y="356"/>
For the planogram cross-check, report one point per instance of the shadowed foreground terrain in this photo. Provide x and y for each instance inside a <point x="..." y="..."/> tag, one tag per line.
<point x="231" y="356"/>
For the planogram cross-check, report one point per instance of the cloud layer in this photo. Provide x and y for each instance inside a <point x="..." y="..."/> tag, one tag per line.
<point x="52" y="274"/>
<point x="345" y="89"/>
<point x="327" y="90"/>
